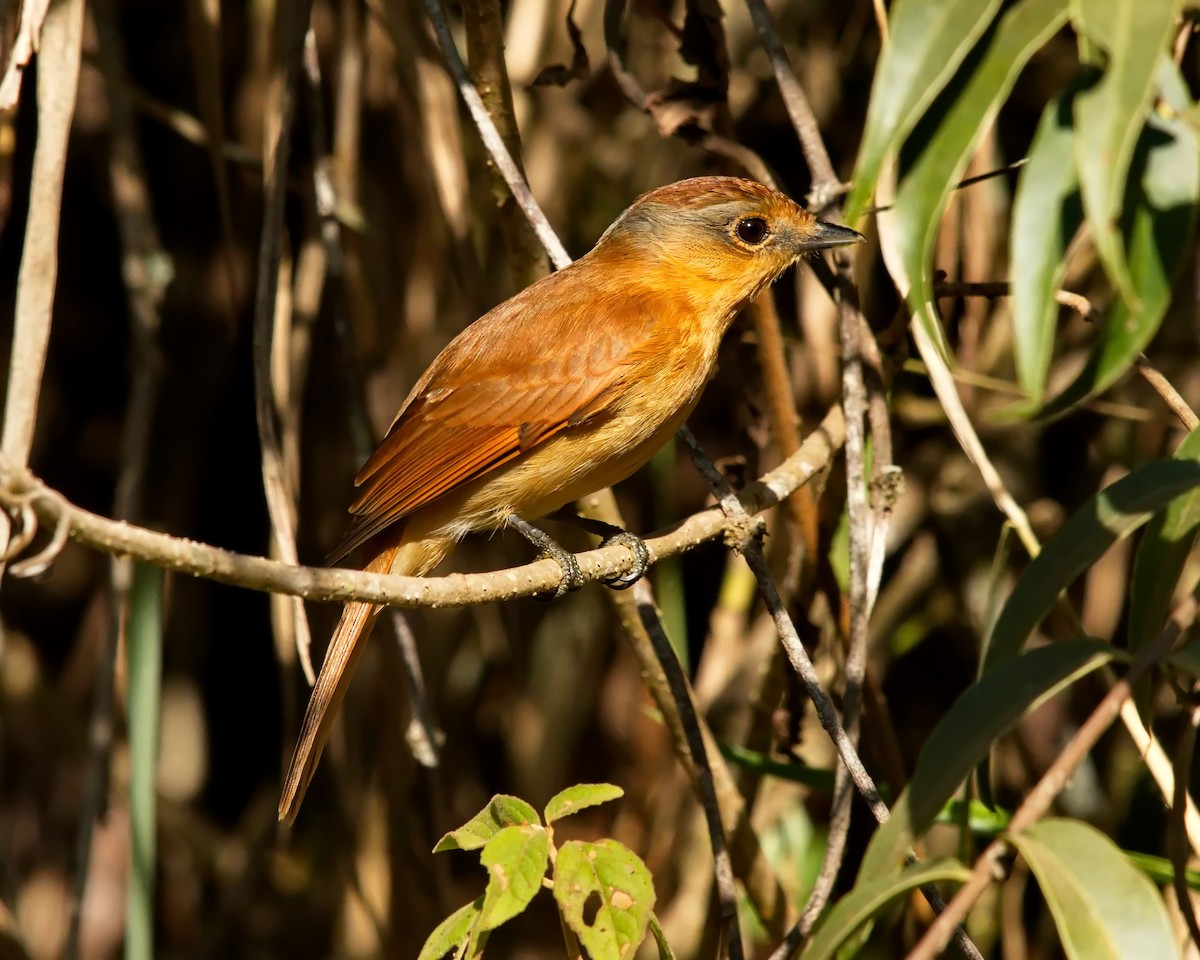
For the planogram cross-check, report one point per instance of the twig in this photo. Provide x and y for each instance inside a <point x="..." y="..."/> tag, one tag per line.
<point x="492" y="139"/>
<point x="867" y="531"/>
<point x="61" y="38"/>
<point x="322" y="583"/>
<point x="146" y="274"/>
<point x="485" y="53"/>
<point x="1170" y="396"/>
<point x="178" y="121"/>
<point x="1177" y="845"/>
<point x="1084" y="307"/>
<point x="967" y="182"/>
<point x="745" y="534"/>
<point x="1040" y="798"/>
<point x="33" y="15"/>
<point x="825" y="184"/>
<point x="423" y="736"/>
<point x="723" y="867"/>
<point x="291" y="26"/>
<point x="749" y="863"/>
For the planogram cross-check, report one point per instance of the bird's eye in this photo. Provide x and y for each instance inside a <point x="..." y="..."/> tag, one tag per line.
<point x="752" y="230"/>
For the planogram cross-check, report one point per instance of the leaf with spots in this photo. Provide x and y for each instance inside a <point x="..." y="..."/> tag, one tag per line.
<point x="502" y="811"/>
<point x="605" y="894"/>
<point x="580" y="797"/>
<point x="516" y="859"/>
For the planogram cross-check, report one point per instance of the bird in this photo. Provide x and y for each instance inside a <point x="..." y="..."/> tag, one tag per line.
<point x="566" y="388"/>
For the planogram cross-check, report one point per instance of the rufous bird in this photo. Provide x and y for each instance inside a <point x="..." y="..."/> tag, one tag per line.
<point x="564" y="389"/>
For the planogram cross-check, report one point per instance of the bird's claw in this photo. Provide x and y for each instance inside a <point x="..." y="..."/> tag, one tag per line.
<point x="572" y="576"/>
<point x="641" y="559"/>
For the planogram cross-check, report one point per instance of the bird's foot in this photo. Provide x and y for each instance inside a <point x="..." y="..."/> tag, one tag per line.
<point x="572" y="576"/>
<point x="612" y="535"/>
<point x="641" y="559"/>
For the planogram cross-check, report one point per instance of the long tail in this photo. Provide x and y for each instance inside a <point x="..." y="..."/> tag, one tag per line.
<point x="341" y="658"/>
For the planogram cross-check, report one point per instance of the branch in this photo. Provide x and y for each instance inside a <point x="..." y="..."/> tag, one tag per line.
<point x="19" y="487"/>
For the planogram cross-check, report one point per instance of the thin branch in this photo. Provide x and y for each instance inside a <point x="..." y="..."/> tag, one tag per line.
<point x="745" y="534"/>
<point x="1052" y="782"/>
<point x="423" y="736"/>
<point x="492" y="139"/>
<point x="825" y="183"/>
<point x="18" y="485"/>
<point x="484" y="24"/>
<point x="1084" y="307"/>
<point x="968" y="182"/>
<point x="291" y="28"/>
<point x="61" y="39"/>
<point x="681" y="694"/>
<point x="1177" y="845"/>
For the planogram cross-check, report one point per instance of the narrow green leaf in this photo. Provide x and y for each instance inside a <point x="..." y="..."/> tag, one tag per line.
<point x="929" y="39"/>
<point x="1161" y="555"/>
<point x="452" y="933"/>
<point x="815" y="777"/>
<point x="1113" y="513"/>
<point x="605" y="894"/>
<point x="580" y="797"/>
<point x="1160" y="870"/>
<point x="1110" y="114"/>
<point x="867" y="899"/>
<point x="936" y="153"/>
<point x="664" y="949"/>
<point x="502" y="811"/>
<point x="1159" y="217"/>
<point x="964" y="735"/>
<point x="144" y="656"/>
<point x="1047" y="212"/>
<point x="516" y="859"/>
<point x="1104" y="908"/>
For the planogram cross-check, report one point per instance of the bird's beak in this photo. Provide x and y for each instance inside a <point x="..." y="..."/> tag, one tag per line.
<point x="827" y="235"/>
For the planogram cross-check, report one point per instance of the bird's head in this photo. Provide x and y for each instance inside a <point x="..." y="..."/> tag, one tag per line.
<point x="722" y="237"/>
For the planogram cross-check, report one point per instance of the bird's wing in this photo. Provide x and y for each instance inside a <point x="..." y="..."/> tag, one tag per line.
<point x="472" y="414"/>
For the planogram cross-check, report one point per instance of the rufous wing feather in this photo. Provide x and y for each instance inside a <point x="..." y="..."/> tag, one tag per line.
<point x="457" y="432"/>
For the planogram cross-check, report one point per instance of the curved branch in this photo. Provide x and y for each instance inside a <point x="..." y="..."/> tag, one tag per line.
<point x="18" y="486"/>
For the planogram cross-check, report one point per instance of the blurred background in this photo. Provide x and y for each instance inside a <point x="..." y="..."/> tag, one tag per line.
<point x="531" y="697"/>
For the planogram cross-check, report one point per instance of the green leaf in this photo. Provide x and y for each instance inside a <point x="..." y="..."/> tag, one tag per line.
<point x="867" y="899"/>
<point x="1160" y="870"/>
<point x="1160" y="204"/>
<point x="937" y="151"/>
<point x="1109" y="116"/>
<point x="815" y="777"/>
<point x="516" y="859"/>
<point x="929" y="39"/>
<point x="1104" y="908"/>
<point x="453" y="933"/>
<point x="502" y="811"/>
<point x="664" y="949"/>
<point x="1113" y="513"/>
<point x="605" y="894"/>
<point x="1047" y="212"/>
<point x="979" y="817"/>
<point x="1161" y="555"/>
<point x="1187" y="659"/>
<point x="964" y="735"/>
<point x="580" y="797"/>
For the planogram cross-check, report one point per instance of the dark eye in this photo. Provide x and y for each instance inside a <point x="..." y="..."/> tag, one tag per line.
<point x="752" y="230"/>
